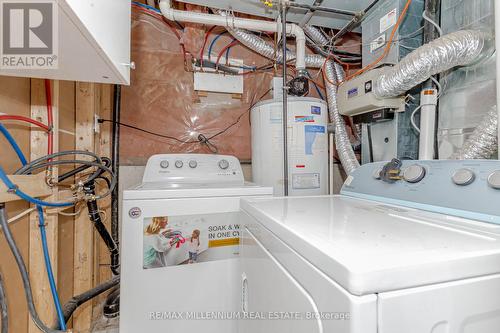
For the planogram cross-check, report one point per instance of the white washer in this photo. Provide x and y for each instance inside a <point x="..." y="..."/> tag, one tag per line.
<point x="162" y="290"/>
<point x="420" y="255"/>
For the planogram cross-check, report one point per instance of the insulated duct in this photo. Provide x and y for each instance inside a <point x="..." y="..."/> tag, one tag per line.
<point x="236" y="22"/>
<point x="483" y="142"/>
<point x="333" y="73"/>
<point x="460" y="48"/>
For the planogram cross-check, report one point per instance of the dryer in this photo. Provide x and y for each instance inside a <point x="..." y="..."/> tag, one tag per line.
<point x="417" y="253"/>
<point x="180" y="244"/>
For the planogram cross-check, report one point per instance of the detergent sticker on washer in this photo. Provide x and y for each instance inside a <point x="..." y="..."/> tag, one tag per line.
<point x="190" y="239"/>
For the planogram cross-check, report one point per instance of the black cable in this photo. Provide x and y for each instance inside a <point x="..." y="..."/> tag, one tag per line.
<point x="147" y="131"/>
<point x="73" y="304"/>
<point x="115" y="163"/>
<point x="55" y="155"/>
<point x="95" y="164"/>
<point x="24" y="273"/>
<point x="238" y="119"/>
<point x="3" y="307"/>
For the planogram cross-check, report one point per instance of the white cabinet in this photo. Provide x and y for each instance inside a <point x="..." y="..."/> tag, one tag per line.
<point x="92" y="43"/>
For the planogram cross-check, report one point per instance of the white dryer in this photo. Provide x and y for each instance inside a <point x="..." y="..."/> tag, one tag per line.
<point x="419" y="253"/>
<point x="180" y="245"/>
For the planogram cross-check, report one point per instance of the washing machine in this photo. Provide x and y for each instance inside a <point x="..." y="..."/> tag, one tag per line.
<point x="180" y="245"/>
<point x="416" y="252"/>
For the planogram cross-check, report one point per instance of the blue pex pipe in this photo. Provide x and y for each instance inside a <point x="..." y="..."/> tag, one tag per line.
<point x="41" y="225"/>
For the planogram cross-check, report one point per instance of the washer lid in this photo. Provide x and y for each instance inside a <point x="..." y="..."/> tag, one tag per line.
<point x="369" y="247"/>
<point x="167" y="190"/>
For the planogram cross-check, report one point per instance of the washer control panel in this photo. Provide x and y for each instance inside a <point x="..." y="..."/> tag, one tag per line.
<point x="193" y="168"/>
<point x="468" y="189"/>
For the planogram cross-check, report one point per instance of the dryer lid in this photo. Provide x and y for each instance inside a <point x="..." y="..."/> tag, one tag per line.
<point x="370" y="247"/>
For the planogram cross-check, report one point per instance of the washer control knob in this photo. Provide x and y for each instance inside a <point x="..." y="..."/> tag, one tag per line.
<point x="164" y="164"/>
<point x="376" y="174"/>
<point x="463" y="177"/>
<point x="179" y="164"/>
<point x="414" y="173"/>
<point x="494" y="180"/>
<point x="223" y="164"/>
<point x="193" y="164"/>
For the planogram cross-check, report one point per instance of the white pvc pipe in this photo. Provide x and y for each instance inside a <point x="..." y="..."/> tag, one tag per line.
<point x="242" y="23"/>
<point x="428" y="104"/>
<point x="497" y="47"/>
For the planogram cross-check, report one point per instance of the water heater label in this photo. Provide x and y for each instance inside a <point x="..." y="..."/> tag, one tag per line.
<point x="304" y="119"/>
<point x="316" y="110"/>
<point x="305" y="181"/>
<point x="311" y="137"/>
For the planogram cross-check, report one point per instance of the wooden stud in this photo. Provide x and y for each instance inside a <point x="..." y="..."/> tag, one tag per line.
<point x="104" y="149"/>
<point x="33" y="185"/>
<point x="86" y="103"/>
<point x="39" y="281"/>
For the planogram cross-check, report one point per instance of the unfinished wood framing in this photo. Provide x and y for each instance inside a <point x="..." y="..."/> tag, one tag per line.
<point x="87" y="105"/>
<point x="39" y="281"/>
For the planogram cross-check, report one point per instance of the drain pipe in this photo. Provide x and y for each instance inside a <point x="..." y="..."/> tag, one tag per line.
<point x="497" y="47"/>
<point x="242" y="23"/>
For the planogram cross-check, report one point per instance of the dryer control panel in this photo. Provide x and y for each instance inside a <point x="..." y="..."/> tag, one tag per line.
<point x="469" y="189"/>
<point x="193" y="169"/>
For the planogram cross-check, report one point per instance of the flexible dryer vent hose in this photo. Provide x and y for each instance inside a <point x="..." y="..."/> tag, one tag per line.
<point x="333" y="73"/>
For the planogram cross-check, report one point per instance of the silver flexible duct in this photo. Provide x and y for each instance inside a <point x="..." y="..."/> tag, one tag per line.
<point x="482" y="143"/>
<point x="315" y="34"/>
<point x="333" y="72"/>
<point x="458" y="48"/>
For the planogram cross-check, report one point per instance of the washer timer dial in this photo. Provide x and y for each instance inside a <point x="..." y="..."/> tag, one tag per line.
<point x="223" y="164"/>
<point x="414" y="173"/>
<point x="463" y="177"/>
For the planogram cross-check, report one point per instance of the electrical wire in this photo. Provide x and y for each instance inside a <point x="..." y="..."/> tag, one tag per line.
<point x="21" y="215"/>
<point x="388" y="46"/>
<point x="412" y="119"/>
<point x="428" y="19"/>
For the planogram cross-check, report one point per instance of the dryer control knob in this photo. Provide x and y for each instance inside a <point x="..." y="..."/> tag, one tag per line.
<point x="414" y="173"/>
<point x="463" y="177"/>
<point x="223" y="164"/>
<point x="179" y="164"/>
<point x="164" y="164"/>
<point x="494" y="180"/>
<point x="193" y="164"/>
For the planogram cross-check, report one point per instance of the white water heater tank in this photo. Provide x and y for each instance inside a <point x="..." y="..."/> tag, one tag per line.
<point x="307" y="145"/>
